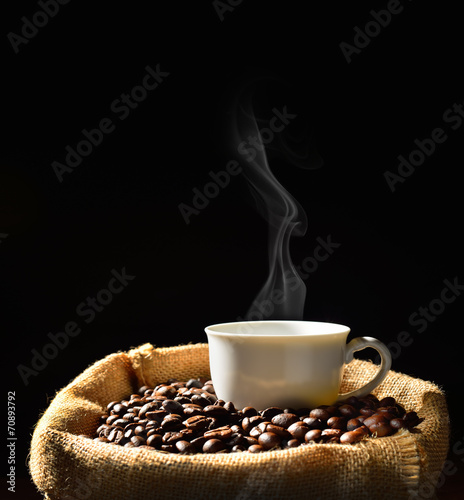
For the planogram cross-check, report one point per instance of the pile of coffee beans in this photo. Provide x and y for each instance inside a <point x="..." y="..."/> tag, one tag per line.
<point x="187" y="418"/>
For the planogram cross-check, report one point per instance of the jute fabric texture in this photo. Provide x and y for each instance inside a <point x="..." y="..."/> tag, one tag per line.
<point x="66" y="465"/>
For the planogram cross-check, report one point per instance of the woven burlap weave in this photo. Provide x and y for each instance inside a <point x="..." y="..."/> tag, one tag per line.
<point x="65" y="465"/>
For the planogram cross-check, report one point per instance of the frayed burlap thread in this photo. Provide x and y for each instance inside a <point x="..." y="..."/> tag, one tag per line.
<point x="66" y="465"/>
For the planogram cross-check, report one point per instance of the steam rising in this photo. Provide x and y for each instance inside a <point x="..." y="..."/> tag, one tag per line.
<point x="283" y="294"/>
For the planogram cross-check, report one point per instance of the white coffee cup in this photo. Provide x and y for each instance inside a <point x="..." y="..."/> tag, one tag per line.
<point x="289" y="364"/>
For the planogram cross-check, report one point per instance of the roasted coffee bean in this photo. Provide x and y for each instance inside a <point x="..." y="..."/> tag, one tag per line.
<point x="313" y="435"/>
<point x="366" y="411"/>
<point x="116" y="435"/>
<point x="188" y="434"/>
<point x="412" y="419"/>
<point x="208" y="388"/>
<point x="172" y="422"/>
<point x="111" y="405"/>
<point x="249" y="411"/>
<point x="249" y="422"/>
<point x="155" y="440"/>
<point x="285" y="419"/>
<point x="196" y="423"/>
<point x="111" y="419"/>
<point x="200" y="400"/>
<point x="119" y="409"/>
<point x="298" y="430"/>
<point x="352" y="436"/>
<point x="353" y="424"/>
<point x="397" y="423"/>
<point x="280" y="431"/>
<point x="148" y="407"/>
<point x="193" y="382"/>
<point x="182" y="400"/>
<point x="168" y="391"/>
<point x="137" y="440"/>
<point x="293" y="443"/>
<point x="172" y="406"/>
<point x="337" y="423"/>
<point x="269" y="440"/>
<point x="104" y="428"/>
<point x="198" y="442"/>
<point x="333" y="410"/>
<point x="250" y="440"/>
<point x="234" y="418"/>
<point x="210" y="397"/>
<point x="222" y="433"/>
<point x="353" y="401"/>
<point x="215" y="411"/>
<point x="185" y="448"/>
<point x="388" y="413"/>
<point x="367" y="403"/>
<point x="258" y="429"/>
<point x="271" y="412"/>
<point x="191" y="409"/>
<point x="381" y="428"/>
<point x="237" y="428"/>
<point x="139" y="430"/>
<point x="229" y="406"/>
<point x="129" y="417"/>
<point x="374" y="419"/>
<point x="400" y="409"/>
<point x="213" y="446"/>
<point x="329" y="433"/>
<point x="236" y="439"/>
<point x="290" y="410"/>
<point x="187" y="417"/>
<point x="172" y="437"/>
<point x="347" y="411"/>
<point x="388" y="401"/>
<point x="152" y="424"/>
<point x="314" y="423"/>
<point x="321" y="413"/>
<point x="213" y="423"/>
<point x="156" y="399"/>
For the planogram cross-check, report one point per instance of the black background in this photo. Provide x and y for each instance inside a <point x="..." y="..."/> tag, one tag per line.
<point x="119" y="207"/>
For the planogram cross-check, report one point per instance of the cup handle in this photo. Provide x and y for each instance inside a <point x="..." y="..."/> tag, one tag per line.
<point x="358" y="344"/>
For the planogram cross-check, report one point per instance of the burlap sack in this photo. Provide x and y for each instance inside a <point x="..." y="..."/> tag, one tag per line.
<point x="65" y="465"/>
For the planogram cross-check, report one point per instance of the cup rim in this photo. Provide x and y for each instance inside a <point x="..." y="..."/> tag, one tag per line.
<point x="339" y="329"/>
